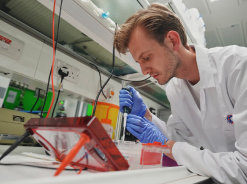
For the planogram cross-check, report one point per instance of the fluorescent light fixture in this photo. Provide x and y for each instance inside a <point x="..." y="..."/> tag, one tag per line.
<point x="212" y="1"/>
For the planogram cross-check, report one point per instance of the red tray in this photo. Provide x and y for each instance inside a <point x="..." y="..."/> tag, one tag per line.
<point x="59" y="135"/>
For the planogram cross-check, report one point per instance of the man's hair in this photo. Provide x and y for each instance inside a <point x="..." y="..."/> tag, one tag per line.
<point x="156" y="20"/>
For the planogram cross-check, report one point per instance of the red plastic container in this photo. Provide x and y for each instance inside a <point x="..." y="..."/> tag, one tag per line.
<point x="60" y="136"/>
<point x="152" y="153"/>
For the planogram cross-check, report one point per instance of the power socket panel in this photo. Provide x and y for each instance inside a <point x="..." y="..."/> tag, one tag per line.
<point x="106" y="89"/>
<point x="74" y="72"/>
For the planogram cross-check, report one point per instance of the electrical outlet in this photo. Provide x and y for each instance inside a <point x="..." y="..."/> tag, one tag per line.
<point x="74" y="72"/>
<point x="108" y="90"/>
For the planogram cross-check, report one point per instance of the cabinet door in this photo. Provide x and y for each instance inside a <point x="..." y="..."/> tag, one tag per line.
<point x="20" y="52"/>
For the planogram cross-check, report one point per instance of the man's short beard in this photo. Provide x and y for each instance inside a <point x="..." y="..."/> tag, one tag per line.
<point x="177" y="65"/>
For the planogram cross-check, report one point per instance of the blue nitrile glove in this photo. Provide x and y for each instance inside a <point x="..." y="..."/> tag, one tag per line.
<point x="144" y="130"/>
<point x="138" y="106"/>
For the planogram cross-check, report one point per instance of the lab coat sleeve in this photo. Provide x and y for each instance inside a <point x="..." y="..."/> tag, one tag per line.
<point x="225" y="167"/>
<point x="160" y="124"/>
<point x="178" y="131"/>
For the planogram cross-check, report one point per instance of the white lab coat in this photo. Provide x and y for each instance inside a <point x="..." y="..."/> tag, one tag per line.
<point x="223" y="76"/>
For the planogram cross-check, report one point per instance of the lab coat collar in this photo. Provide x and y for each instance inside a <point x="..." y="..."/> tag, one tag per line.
<point x="205" y="70"/>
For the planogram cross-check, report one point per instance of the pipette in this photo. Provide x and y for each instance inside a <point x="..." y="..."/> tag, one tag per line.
<point x="126" y="111"/>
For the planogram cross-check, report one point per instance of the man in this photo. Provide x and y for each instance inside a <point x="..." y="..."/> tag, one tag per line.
<point x="207" y="90"/>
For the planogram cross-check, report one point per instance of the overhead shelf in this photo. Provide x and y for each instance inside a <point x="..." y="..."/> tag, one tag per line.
<point x="69" y="37"/>
<point x="119" y="11"/>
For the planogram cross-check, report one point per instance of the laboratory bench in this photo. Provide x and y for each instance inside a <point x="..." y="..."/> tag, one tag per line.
<point x="16" y="174"/>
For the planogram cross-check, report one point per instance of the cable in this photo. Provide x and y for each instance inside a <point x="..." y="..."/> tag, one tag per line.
<point x="99" y="78"/>
<point x="39" y="166"/>
<point x="5" y="73"/>
<point x="63" y="72"/>
<point x="55" y="103"/>
<point x="140" y="3"/>
<point x="54" y="54"/>
<point x="41" y="114"/>
<point x="113" y="64"/>
<point x="145" y="84"/>
<point x="48" y="83"/>
<point x="131" y="80"/>
<point x="55" y="51"/>
<point x="60" y="86"/>
<point x="15" y="144"/>
<point x="35" y="102"/>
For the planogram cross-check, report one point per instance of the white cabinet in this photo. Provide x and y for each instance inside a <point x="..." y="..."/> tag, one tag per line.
<point x="93" y="88"/>
<point x="28" y="61"/>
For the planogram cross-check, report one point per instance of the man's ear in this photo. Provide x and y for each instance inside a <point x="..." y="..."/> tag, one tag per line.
<point x="172" y="40"/>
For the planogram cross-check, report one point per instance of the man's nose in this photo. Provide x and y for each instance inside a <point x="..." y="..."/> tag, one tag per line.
<point x="145" y="69"/>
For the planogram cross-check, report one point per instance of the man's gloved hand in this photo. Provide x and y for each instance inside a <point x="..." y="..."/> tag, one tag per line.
<point x="138" y="106"/>
<point x="144" y="130"/>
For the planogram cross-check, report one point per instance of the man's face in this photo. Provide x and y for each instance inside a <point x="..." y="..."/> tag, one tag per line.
<point x="156" y="60"/>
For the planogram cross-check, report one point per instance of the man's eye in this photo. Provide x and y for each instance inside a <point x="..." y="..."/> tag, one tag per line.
<point x="147" y="58"/>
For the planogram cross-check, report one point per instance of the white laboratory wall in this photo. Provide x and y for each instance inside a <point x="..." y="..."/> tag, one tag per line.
<point x="4" y="84"/>
<point x="88" y="83"/>
<point x="34" y="66"/>
<point x="213" y="38"/>
<point x="69" y="106"/>
<point x="151" y="103"/>
<point x="93" y="87"/>
<point x="226" y="33"/>
<point x="192" y="21"/>
<point x="44" y="66"/>
<point x="86" y="23"/>
<point x="28" y="61"/>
